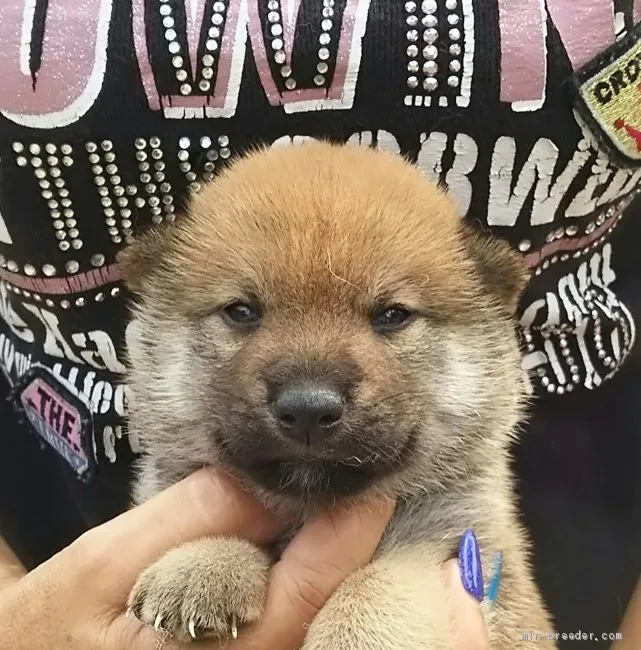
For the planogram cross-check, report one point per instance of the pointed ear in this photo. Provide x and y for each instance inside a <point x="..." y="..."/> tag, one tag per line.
<point x="501" y="268"/>
<point x="137" y="260"/>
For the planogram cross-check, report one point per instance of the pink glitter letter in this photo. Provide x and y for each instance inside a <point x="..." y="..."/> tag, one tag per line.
<point x="74" y="54"/>
<point x="586" y="28"/>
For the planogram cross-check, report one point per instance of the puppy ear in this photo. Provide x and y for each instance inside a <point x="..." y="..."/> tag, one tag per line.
<point x="501" y="268"/>
<point x="137" y="260"/>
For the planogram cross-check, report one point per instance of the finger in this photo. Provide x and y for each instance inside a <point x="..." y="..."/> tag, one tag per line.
<point x="207" y="503"/>
<point x="468" y="621"/>
<point x="325" y="551"/>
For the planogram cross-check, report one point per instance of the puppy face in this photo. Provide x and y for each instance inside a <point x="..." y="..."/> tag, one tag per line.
<point x="322" y="323"/>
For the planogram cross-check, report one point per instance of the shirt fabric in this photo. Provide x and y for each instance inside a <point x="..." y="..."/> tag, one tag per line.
<point x="113" y="111"/>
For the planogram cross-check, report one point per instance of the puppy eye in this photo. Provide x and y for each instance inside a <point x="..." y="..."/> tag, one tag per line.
<point x="392" y="319"/>
<point x="240" y="315"/>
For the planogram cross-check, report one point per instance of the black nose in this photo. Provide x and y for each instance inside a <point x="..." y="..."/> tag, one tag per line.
<point x="308" y="412"/>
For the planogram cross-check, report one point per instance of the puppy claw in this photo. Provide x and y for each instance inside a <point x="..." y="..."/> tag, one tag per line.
<point x="188" y="594"/>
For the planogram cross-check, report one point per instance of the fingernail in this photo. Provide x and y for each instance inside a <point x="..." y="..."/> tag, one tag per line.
<point x="495" y="580"/>
<point x="470" y="564"/>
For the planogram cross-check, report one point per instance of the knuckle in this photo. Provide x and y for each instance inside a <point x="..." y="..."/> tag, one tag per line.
<point x="306" y="596"/>
<point x="90" y="551"/>
<point x="311" y="585"/>
<point x="205" y="488"/>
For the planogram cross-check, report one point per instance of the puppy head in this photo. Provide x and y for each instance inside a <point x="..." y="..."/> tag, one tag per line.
<point x="322" y="323"/>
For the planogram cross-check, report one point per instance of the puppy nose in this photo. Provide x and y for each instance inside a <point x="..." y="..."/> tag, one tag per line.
<point x="309" y="412"/>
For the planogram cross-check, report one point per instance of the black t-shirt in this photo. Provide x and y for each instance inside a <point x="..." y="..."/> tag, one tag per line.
<point x="112" y="111"/>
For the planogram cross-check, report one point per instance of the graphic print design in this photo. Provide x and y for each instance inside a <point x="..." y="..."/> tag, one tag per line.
<point x="194" y="56"/>
<point x="60" y="418"/>
<point x="50" y="90"/>
<point x="610" y="96"/>
<point x="586" y="28"/>
<point x="440" y="52"/>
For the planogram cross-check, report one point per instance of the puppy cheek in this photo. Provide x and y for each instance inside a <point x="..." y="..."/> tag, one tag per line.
<point x="178" y="372"/>
<point x="462" y="388"/>
<point x="160" y="372"/>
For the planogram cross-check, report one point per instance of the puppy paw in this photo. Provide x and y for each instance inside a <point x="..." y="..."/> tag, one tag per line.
<point x="207" y="588"/>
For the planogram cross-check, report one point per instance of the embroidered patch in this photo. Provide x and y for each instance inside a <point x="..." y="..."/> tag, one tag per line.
<point x="609" y="96"/>
<point x="58" y="416"/>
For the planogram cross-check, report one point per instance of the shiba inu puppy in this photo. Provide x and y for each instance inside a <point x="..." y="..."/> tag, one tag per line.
<point x="324" y="326"/>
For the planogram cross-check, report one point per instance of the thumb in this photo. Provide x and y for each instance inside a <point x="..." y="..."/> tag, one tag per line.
<point x="207" y="503"/>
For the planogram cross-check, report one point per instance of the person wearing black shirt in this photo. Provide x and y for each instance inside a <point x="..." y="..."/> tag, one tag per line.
<point x="527" y="112"/>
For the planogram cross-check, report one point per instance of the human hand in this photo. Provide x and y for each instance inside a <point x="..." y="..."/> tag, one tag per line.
<point x="76" y="600"/>
<point x="469" y="623"/>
